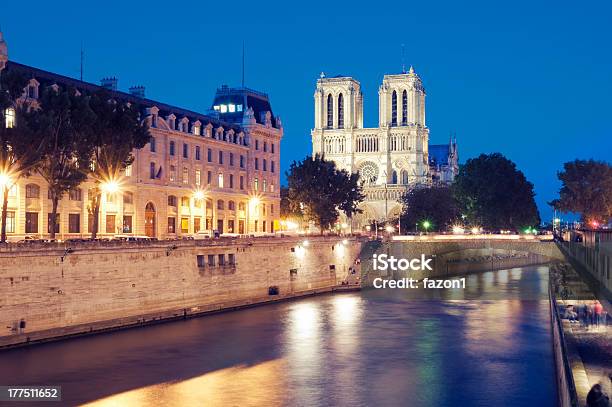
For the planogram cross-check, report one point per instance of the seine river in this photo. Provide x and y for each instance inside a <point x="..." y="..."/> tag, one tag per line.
<point x="371" y="348"/>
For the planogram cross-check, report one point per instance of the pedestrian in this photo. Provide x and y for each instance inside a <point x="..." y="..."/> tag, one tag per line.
<point x="589" y="318"/>
<point x="597" y="398"/>
<point x="598" y="308"/>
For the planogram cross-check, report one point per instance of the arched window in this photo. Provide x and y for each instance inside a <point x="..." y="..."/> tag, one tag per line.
<point x="405" y="177"/>
<point x="231" y="205"/>
<point x="330" y="111"/>
<point x="340" y="111"/>
<point x="220" y="204"/>
<point x="394" y="109"/>
<point x="404" y="108"/>
<point x="32" y="191"/>
<point x="394" y="177"/>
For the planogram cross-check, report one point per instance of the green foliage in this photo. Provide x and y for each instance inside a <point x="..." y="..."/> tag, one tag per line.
<point x="437" y="205"/>
<point x="318" y="190"/>
<point x="494" y="194"/>
<point x="586" y="189"/>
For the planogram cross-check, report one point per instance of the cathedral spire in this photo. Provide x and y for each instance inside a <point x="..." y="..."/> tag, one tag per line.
<point x="411" y="70"/>
<point x="3" y="51"/>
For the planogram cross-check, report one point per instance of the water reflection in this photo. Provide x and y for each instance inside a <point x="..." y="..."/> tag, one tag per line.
<point x="377" y="347"/>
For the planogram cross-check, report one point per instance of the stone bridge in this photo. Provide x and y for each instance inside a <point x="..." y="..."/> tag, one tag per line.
<point x="461" y="256"/>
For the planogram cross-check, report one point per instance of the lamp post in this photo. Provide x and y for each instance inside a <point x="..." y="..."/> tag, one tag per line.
<point x="426" y="225"/>
<point x="5" y="184"/>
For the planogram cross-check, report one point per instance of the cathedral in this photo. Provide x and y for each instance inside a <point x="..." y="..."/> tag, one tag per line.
<point x="391" y="158"/>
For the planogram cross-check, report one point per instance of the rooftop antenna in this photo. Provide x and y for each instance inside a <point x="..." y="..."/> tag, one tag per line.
<point x="82" y="57"/>
<point x="403" y="63"/>
<point x="243" y="63"/>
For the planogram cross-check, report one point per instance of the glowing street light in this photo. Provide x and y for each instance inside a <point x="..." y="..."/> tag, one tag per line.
<point x="111" y="186"/>
<point x="426" y="225"/>
<point x="389" y="229"/>
<point x="458" y="230"/>
<point x="5" y="180"/>
<point x="199" y="195"/>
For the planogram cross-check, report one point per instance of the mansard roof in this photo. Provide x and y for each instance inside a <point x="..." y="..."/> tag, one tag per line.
<point x="248" y="98"/>
<point x="439" y="153"/>
<point x="49" y="78"/>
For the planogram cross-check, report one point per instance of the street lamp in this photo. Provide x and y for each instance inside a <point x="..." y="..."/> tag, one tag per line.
<point x="5" y="180"/>
<point x="426" y="225"/>
<point x="110" y="187"/>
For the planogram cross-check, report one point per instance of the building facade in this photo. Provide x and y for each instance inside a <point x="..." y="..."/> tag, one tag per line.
<point x="390" y="158"/>
<point x="214" y="171"/>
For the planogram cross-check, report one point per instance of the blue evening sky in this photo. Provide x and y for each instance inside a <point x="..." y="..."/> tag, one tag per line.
<point x="529" y="79"/>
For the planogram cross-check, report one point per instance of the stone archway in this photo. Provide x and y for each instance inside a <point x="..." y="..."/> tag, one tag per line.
<point x="149" y="219"/>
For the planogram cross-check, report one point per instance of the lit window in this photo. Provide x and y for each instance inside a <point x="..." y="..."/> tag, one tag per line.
<point x="231" y="108"/>
<point x="128" y="171"/>
<point x="10" y="118"/>
<point x="196" y="130"/>
<point x="256" y="184"/>
<point x="185" y="175"/>
<point x="220" y="180"/>
<point x="216" y="107"/>
<point x="172" y="173"/>
<point x="265" y="185"/>
<point x="239" y="108"/>
<point x="197" y="177"/>
<point x="223" y="108"/>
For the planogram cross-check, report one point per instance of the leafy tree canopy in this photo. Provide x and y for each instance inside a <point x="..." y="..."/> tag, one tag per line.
<point x="586" y="189"/>
<point x="436" y="205"/>
<point x="494" y="194"/>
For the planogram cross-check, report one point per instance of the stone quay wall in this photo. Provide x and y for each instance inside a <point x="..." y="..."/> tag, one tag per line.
<point x="50" y="291"/>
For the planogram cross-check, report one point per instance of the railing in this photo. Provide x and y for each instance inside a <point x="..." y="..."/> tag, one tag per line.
<point x="566" y="388"/>
<point x="380" y="193"/>
<point x="596" y="260"/>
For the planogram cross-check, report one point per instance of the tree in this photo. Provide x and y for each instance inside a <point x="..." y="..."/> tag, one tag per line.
<point x="62" y="123"/>
<point x="117" y="131"/>
<point x="18" y="151"/>
<point x="318" y="189"/>
<point x="493" y="193"/>
<point x="436" y="205"/>
<point x="586" y="189"/>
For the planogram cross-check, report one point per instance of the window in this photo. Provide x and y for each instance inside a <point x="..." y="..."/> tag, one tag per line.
<point x="241" y="161"/>
<point x="271" y="209"/>
<point x="127" y="224"/>
<point x="200" y="260"/>
<point x="231" y="159"/>
<point x="394" y="109"/>
<point x="220" y="180"/>
<point x="220" y="204"/>
<point x="185" y="175"/>
<point x="263" y="226"/>
<point x="198" y="177"/>
<point x="172" y="173"/>
<point x="111" y="197"/>
<point x="272" y="167"/>
<point x="152" y="144"/>
<point x="90" y="222"/>
<point x="330" y="111"/>
<point x="74" y="223"/>
<point x="272" y="187"/>
<point x="172" y="200"/>
<point x="171" y="224"/>
<point x="231" y="259"/>
<point x="209" y="155"/>
<point x="185" y="201"/>
<point x="221" y="259"/>
<point x="340" y="111"/>
<point x="263" y="209"/>
<point x="241" y="182"/>
<point x="394" y="177"/>
<point x="13" y="191"/>
<point x="32" y="92"/>
<point x="128" y="198"/>
<point x="196" y="222"/>
<point x="197" y="153"/>
<point x="32" y="191"/>
<point x="9" y="118"/>
<point x="152" y="171"/>
<point x="256" y="184"/>
<point x="241" y="206"/>
<point x="10" y="222"/>
<point x="185" y="150"/>
<point x="184" y="225"/>
<point x="153" y="121"/>
<point x="49" y="223"/>
<point x="31" y="225"/>
<point x="211" y="260"/>
<point x="404" y="108"/>
<point x="256" y="163"/>
<point x="196" y="129"/>
<point x="256" y="144"/>
<point x="231" y="205"/>
<point x="265" y="146"/>
<point x="209" y="177"/>
<point x="220" y="157"/>
<point x="110" y="223"/>
<point x="128" y="171"/>
<point x="265" y="185"/>
<point x="172" y="148"/>
<point x="265" y="165"/>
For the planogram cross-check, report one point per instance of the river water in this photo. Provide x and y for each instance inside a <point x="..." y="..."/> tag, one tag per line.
<point x="371" y="348"/>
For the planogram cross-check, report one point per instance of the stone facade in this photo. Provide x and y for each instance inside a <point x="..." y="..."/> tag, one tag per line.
<point x="100" y="285"/>
<point x="199" y="172"/>
<point x="390" y="158"/>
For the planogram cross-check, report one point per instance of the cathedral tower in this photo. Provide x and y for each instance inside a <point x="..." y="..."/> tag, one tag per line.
<point x="3" y="52"/>
<point x="338" y="103"/>
<point x="402" y="100"/>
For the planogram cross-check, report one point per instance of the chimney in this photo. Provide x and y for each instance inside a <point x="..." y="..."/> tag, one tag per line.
<point x="109" y="83"/>
<point x="138" y="91"/>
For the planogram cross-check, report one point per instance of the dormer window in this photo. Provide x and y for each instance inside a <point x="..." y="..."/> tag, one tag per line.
<point x="32" y="89"/>
<point x="223" y="108"/>
<point x="184" y="125"/>
<point x="197" y="128"/>
<point x="239" y="108"/>
<point x="171" y="119"/>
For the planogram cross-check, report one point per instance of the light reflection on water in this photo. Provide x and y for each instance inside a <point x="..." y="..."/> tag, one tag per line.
<point x="352" y="349"/>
